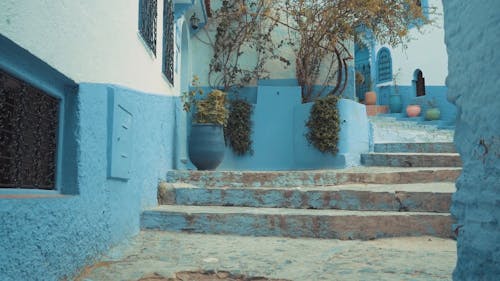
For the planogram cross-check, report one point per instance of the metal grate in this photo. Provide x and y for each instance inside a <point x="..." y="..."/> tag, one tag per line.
<point x="384" y="63"/>
<point x="168" y="41"/>
<point x="361" y="89"/>
<point x="28" y="135"/>
<point x="148" y="14"/>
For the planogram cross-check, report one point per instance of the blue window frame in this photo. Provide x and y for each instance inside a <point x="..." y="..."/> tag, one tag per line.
<point x="46" y="83"/>
<point x="384" y="65"/>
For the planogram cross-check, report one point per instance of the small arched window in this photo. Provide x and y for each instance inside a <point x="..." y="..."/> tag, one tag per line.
<point x="384" y="65"/>
<point x="419" y="82"/>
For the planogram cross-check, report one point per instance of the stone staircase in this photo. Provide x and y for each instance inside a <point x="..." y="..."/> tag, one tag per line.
<point x="404" y="189"/>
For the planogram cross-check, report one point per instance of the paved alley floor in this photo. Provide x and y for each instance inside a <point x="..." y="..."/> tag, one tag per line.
<point x="165" y="253"/>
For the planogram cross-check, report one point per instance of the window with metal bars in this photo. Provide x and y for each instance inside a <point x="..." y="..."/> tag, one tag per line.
<point x="168" y="40"/>
<point x="28" y="135"/>
<point x="148" y="13"/>
<point x="384" y="65"/>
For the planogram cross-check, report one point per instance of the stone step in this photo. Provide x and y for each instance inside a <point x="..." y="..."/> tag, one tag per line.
<point x="366" y="175"/>
<point x="411" y="159"/>
<point x="431" y="197"/>
<point x="422" y="147"/>
<point x="330" y="224"/>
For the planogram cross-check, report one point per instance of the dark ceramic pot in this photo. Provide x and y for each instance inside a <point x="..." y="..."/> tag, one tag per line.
<point x="206" y="146"/>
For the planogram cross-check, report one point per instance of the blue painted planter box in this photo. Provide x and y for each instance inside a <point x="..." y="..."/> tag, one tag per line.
<point x="279" y="129"/>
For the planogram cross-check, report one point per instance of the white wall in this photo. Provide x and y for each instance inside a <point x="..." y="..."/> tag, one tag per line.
<point x="88" y="40"/>
<point x="277" y="70"/>
<point x="427" y="52"/>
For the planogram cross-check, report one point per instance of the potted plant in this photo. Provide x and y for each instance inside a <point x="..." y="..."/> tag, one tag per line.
<point x="206" y="143"/>
<point x="370" y="96"/>
<point x="432" y="112"/>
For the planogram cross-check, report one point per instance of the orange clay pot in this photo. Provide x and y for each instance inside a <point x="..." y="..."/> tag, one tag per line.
<point x="413" y="110"/>
<point x="370" y="98"/>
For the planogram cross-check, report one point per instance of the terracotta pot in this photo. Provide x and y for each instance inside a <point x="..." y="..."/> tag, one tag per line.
<point x="370" y="98"/>
<point x="413" y="110"/>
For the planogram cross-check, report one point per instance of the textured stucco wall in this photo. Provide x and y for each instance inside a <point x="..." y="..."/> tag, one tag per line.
<point x="51" y="238"/>
<point x="89" y="41"/>
<point x="472" y="43"/>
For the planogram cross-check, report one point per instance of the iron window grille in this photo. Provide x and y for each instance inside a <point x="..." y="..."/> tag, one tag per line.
<point x="168" y="40"/>
<point x="384" y="65"/>
<point x="28" y="135"/>
<point x="148" y="13"/>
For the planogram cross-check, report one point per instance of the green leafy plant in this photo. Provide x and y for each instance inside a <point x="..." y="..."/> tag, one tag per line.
<point x="209" y="109"/>
<point x="324" y="124"/>
<point x="239" y="127"/>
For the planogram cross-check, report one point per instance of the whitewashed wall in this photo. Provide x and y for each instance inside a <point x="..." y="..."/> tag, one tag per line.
<point x="277" y="70"/>
<point x="427" y="52"/>
<point x="89" y="41"/>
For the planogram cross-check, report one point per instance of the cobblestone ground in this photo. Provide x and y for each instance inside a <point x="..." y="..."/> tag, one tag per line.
<point x="164" y="253"/>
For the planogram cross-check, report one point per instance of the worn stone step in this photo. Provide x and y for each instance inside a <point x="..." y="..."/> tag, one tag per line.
<point x="422" y="147"/>
<point x="367" y="175"/>
<point x="431" y="197"/>
<point x="333" y="224"/>
<point x="411" y="159"/>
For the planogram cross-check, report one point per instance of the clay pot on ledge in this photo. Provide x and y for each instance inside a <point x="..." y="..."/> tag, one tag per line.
<point x="432" y="114"/>
<point x="370" y="98"/>
<point x="413" y="110"/>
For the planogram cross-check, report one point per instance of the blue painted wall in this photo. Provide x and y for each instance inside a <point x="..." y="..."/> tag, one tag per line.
<point x="472" y="45"/>
<point x="279" y="129"/>
<point x="51" y="238"/>
<point x="408" y="95"/>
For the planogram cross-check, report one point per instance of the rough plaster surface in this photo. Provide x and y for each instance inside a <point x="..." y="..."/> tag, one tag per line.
<point x="51" y="238"/>
<point x="412" y="258"/>
<point x="473" y="86"/>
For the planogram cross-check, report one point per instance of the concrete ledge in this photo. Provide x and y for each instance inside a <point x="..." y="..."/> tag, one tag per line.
<point x="423" y="147"/>
<point x="415" y="198"/>
<point x="366" y="175"/>
<point x="412" y="159"/>
<point x="329" y="224"/>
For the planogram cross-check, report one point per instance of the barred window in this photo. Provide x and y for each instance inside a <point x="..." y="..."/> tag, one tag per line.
<point x="147" y="22"/>
<point x="384" y="65"/>
<point x="168" y="40"/>
<point x="28" y="135"/>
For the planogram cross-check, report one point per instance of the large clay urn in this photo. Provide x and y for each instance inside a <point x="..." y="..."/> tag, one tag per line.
<point x="370" y="98"/>
<point x="413" y="110"/>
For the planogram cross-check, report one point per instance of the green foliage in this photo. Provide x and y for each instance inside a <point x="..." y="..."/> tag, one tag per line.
<point x="211" y="109"/>
<point x="239" y="127"/>
<point x="324" y="124"/>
